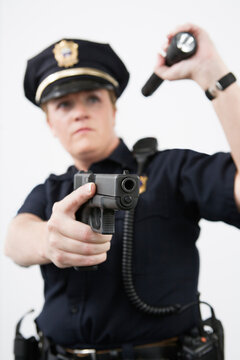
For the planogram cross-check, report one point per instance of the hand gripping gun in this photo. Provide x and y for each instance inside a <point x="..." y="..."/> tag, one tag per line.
<point x="113" y="192"/>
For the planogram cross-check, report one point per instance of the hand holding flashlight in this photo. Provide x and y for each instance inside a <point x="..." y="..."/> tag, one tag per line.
<point x="183" y="45"/>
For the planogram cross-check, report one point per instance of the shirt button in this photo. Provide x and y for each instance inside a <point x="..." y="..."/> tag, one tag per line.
<point x="74" y="309"/>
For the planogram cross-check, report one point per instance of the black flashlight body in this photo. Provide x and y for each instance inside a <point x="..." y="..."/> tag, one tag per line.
<point x="183" y="45"/>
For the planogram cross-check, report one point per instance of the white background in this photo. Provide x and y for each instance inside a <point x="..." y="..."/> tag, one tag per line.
<point x="179" y="115"/>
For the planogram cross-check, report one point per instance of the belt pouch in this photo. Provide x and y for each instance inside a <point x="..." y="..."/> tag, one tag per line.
<point x="25" y="349"/>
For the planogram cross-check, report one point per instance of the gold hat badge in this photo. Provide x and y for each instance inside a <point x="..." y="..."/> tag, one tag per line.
<point x="66" y="53"/>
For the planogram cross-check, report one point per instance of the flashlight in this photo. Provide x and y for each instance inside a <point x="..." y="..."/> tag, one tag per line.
<point x="183" y="45"/>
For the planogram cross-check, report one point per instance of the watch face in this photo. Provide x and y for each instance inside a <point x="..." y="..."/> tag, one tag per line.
<point x="185" y="42"/>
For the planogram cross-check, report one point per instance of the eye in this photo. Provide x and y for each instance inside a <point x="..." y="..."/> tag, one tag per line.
<point x="93" y="98"/>
<point x="64" y="104"/>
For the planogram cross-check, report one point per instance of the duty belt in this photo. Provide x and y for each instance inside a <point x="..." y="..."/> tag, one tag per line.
<point x="163" y="350"/>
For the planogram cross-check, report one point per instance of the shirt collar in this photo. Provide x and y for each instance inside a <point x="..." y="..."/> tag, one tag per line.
<point x="123" y="156"/>
<point x="120" y="156"/>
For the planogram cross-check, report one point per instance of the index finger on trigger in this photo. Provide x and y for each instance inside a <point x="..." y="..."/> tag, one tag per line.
<point x="81" y="232"/>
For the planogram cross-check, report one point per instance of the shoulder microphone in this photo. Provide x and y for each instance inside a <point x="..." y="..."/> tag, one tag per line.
<point x="183" y="45"/>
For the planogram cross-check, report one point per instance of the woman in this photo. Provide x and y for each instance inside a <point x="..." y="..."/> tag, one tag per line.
<point x="89" y="313"/>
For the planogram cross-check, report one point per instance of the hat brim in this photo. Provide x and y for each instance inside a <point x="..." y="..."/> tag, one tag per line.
<point x="60" y="89"/>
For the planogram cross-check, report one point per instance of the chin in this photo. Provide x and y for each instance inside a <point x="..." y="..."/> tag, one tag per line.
<point x="85" y="152"/>
<point x="85" y="146"/>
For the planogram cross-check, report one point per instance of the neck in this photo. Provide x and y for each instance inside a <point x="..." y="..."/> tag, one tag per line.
<point x="86" y="160"/>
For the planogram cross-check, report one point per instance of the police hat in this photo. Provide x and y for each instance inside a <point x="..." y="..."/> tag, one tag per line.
<point x="72" y="65"/>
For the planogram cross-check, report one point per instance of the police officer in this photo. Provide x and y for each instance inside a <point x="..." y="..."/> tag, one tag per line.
<point x="89" y="314"/>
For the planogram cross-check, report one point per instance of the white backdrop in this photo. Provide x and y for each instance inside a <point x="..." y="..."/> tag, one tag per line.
<point x="179" y="115"/>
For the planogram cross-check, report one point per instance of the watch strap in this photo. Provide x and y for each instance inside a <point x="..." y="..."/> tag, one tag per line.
<point x="210" y="94"/>
<point x="221" y="85"/>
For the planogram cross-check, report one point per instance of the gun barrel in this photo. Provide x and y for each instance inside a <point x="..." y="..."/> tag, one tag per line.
<point x="128" y="184"/>
<point x="110" y="184"/>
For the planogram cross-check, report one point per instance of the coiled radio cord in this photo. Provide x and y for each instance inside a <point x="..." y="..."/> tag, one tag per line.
<point x="127" y="272"/>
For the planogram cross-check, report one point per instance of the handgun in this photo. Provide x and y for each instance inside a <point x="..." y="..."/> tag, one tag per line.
<point x="113" y="192"/>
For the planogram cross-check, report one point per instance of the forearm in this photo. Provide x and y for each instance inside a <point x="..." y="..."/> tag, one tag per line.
<point x="227" y="107"/>
<point x="61" y="240"/>
<point x="25" y="240"/>
<point x="226" y="104"/>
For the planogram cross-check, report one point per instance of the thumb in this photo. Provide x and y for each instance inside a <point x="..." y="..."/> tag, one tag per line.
<point x="71" y="203"/>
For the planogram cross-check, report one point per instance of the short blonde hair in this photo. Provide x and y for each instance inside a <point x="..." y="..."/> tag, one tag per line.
<point x="113" y="97"/>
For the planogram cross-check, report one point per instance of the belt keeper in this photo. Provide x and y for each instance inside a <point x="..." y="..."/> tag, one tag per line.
<point x="221" y="85"/>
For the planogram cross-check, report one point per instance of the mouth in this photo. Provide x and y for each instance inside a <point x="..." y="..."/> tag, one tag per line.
<point x="82" y="130"/>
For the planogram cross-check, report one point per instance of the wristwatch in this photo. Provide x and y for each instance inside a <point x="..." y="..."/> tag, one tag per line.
<point x="221" y="85"/>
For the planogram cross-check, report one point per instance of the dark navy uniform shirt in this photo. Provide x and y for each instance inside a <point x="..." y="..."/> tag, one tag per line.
<point x="91" y="309"/>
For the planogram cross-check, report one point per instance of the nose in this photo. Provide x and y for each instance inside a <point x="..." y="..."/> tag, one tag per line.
<point x="80" y="111"/>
